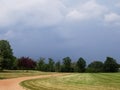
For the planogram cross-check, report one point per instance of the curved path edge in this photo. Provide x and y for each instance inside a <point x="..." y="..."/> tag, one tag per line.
<point x="14" y="83"/>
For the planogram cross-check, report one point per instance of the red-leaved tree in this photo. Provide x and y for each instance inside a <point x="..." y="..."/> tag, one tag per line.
<point x="26" y="63"/>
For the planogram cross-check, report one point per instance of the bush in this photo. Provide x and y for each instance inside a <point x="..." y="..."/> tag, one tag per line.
<point x="96" y="66"/>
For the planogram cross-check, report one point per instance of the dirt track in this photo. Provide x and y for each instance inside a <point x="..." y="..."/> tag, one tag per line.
<point x="13" y="84"/>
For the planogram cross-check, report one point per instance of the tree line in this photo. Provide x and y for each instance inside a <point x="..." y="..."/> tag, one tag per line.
<point x="9" y="61"/>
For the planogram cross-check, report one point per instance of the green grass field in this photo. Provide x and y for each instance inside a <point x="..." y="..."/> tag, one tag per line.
<point x="6" y="74"/>
<point x="83" y="81"/>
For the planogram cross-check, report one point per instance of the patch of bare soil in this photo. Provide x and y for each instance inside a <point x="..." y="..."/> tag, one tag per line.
<point x="13" y="84"/>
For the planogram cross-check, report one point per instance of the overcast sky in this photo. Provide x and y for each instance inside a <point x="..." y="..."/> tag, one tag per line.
<point x="60" y="28"/>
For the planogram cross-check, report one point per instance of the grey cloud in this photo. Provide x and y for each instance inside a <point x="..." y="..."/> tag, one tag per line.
<point x="55" y="28"/>
<point x="30" y="13"/>
<point x="42" y="13"/>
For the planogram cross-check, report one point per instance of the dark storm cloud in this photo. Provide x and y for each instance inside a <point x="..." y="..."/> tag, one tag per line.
<point x="43" y="28"/>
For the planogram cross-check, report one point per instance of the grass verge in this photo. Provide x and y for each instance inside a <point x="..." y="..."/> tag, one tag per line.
<point x="83" y="81"/>
<point x="6" y="74"/>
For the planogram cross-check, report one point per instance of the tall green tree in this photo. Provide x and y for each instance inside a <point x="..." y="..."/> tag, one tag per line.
<point x="51" y="65"/>
<point x="80" y="65"/>
<point x="95" y="66"/>
<point x="1" y="65"/>
<point x="6" y="54"/>
<point x="58" y="66"/>
<point x="41" y="64"/>
<point x="66" y="67"/>
<point x="110" y="65"/>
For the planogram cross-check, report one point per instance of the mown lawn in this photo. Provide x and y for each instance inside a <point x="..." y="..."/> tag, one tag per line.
<point x="83" y="81"/>
<point x="6" y="74"/>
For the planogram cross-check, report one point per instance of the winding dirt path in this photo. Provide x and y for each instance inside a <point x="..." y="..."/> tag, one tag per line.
<point x="13" y="84"/>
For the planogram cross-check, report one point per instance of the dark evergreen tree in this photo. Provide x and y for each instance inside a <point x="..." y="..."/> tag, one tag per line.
<point x="58" y="66"/>
<point x="1" y="65"/>
<point x="80" y="65"/>
<point x="46" y="67"/>
<point x="110" y="65"/>
<point x="73" y="67"/>
<point x="51" y="65"/>
<point x="41" y="64"/>
<point x="66" y="67"/>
